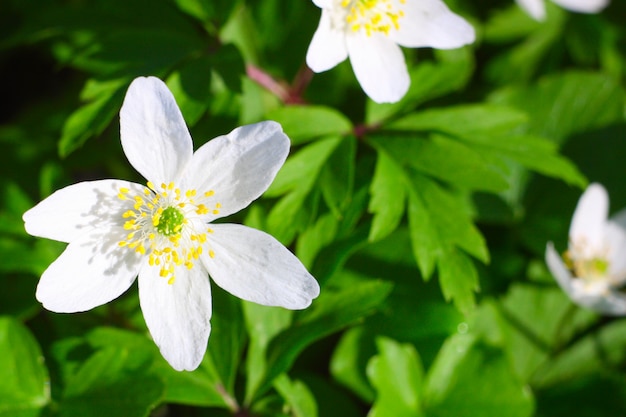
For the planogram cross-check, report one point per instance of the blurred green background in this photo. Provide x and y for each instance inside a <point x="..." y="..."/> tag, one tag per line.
<point x="425" y="221"/>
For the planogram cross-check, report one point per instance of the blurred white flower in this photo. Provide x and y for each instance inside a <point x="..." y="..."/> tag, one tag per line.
<point x="537" y="8"/>
<point x="369" y="32"/>
<point x="117" y="230"/>
<point x="594" y="266"/>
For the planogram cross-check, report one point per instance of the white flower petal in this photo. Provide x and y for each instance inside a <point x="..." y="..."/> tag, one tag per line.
<point x="535" y="8"/>
<point x="587" y="229"/>
<point x="429" y="23"/>
<point x="583" y="6"/>
<point x="177" y="315"/>
<point x="77" y="209"/>
<point x="256" y="267"/>
<point x="615" y="240"/>
<point x="559" y="270"/>
<point x="323" y="3"/>
<point x="239" y="166"/>
<point x="379" y="66"/>
<point x="613" y="303"/>
<point x="92" y="271"/>
<point x="153" y="132"/>
<point x="328" y="46"/>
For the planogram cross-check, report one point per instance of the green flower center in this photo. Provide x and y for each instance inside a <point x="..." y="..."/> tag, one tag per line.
<point x="170" y="222"/>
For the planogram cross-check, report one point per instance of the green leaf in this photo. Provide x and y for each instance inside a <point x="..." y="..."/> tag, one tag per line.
<point x="110" y="384"/>
<point x="302" y="169"/>
<point x="451" y="386"/>
<point x="24" y="382"/>
<point x="89" y="120"/>
<point x="429" y="80"/>
<point x="305" y="123"/>
<point x="299" y="398"/>
<point x="458" y="278"/>
<point x="229" y="64"/>
<point x="316" y="237"/>
<point x="567" y="103"/>
<point x="349" y="361"/>
<point x="199" y="387"/>
<point x="191" y="85"/>
<point x="443" y="158"/>
<point x="397" y="374"/>
<point x="263" y="324"/>
<point x="388" y="197"/>
<point x="337" y="176"/>
<point x="465" y="120"/>
<point x="320" y="320"/>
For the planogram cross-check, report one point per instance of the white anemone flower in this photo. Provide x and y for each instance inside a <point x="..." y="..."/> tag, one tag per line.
<point x="537" y="8"/>
<point x="118" y="230"/>
<point x="369" y="32"/>
<point x="594" y="266"/>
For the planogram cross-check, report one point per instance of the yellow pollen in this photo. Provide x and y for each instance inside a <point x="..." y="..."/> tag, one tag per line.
<point x="161" y="224"/>
<point x="372" y="15"/>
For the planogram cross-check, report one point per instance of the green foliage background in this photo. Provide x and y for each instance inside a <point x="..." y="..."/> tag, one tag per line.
<point x="425" y="221"/>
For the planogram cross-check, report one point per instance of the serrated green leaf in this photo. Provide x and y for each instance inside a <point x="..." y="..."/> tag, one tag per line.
<point x="443" y="158"/>
<point x="458" y="278"/>
<point x="397" y="374"/>
<point x="24" y="382"/>
<point x="322" y="319"/>
<point x="297" y="395"/>
<point x="305" y="123"/>
<point x="388" y="197"/>
<point x="567" y="103"/>
<point x="291" y="215"/>
<point x="451" y="386"/>
<point x="465" y="120"/>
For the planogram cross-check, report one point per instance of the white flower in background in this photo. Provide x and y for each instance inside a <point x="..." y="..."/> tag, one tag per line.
<point x="537" y="8"/>
<point x="369" y="32"/>
<point x="594" y="266"/>
<point x="117" y="230"/>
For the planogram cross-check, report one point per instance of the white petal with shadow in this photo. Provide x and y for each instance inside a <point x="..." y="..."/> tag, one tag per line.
<point x="256" y="267"/>
<point x="92" y="271"/>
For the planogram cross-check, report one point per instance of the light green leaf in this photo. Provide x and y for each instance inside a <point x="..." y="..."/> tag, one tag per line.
<point x="305" y="123"/>
<point x="302" y="169"/>
<point x="388" y="197"/>
<point x="465" y="120"/>
<point x="348" y="362"/>
<point x="322" y="319"/>
<point x="24" y="381"/>
<point x="397" y="374"/>
<point x="89" y="120"/>
<point x="567" y="103"/>
<point x="110" y="384"/>
<point x="469" y="378"/>
<point x="297" y="395"/>
<point x="314" y="238"/>
<point x="263" y="324"/>
<point x="458" y="278"/>
<point x="337" y="176"/>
